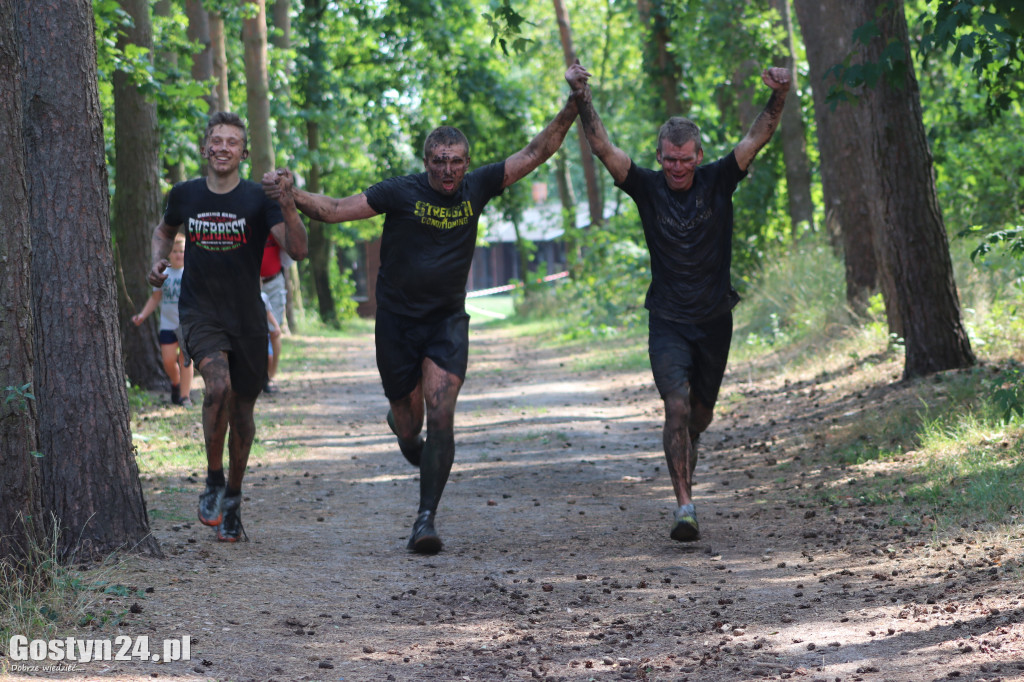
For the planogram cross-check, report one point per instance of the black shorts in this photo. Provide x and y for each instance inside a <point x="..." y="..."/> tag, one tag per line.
<point x="404" y="342"/>
<point x="695" y="354"/>
<point x="167" y="337"/>
<point x="247" y="355"/>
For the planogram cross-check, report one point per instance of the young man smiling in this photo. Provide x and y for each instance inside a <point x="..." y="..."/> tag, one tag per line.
<point x="686" y="212"/>
<point x="223" y="319"/>
<point x="422" y="329"/>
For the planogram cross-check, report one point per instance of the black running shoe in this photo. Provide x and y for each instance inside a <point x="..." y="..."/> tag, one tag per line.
<point x="230" y="529"/>
<point x="412" y="453"/>
<point x="210" y="513"/>
<point x="685" y="527"/>
<point x="424" y="538"/>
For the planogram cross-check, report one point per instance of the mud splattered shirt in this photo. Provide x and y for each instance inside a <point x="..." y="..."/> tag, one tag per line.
<point x="428" y="240"/>
<point x="224" y="239"/>
<point x="689" y="235"/>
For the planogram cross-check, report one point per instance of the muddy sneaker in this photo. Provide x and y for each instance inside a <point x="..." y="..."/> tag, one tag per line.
<point x="685" y="528"/>
<point x="210" y="500"/>
<point x="424" y="538"/>
<point x="412" y="452"/>
<point x="231" y="528"/>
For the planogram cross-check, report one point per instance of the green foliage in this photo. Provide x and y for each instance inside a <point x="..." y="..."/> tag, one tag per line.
<point x="1007" y="393"/>
<point x="986" y="35"/>
<point x="19" y="396"/>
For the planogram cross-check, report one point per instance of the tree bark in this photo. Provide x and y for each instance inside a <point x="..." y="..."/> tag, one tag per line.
<point x="848" y="174"/>
<point x="595" y="201"/>
<point x="218" y="48"/>
<point x="202" y="61"/>
<point x="257" y="91"/>
<point x="136" y="206"/>
<point x="282" y="39"/>
<point x="794" y="138"/>
<point x="89" y="480"/>
<point x="312" y="94"/>
<point x="19" y="501"/>
<point x="912" y="248"/>
<point x="320" y="246"/>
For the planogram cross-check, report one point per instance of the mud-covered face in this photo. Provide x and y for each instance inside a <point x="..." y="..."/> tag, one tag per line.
<point x="679" y="163"/>
<point x="446" y="167"/>
<point x="224" y="149"/>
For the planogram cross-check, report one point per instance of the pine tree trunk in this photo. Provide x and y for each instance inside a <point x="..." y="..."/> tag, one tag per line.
<point x="912" y="249"/>
<point x="218" y="47"/>
<point x="595" y="201"/>
<point x="257" y="92"/>
<point x="19" y="501"/>
<point x="202" y="61"/>
<point x="848" y="174"/>
<point x="794" y="138"/>
<point x="136" y="207"/>
<point x="89" y="480"/>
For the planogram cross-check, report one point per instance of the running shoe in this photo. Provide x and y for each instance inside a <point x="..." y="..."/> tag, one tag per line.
<point x="210" y="501"/>
<point x="685" y="528"/>
<point x="424" y="538"/>
<point x="230" y="529"/>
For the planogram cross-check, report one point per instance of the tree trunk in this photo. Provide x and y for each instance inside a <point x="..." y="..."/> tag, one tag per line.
<point x="219" y="49"/>
<point x="659" y="60"/>
<point x="282" y="39"/>
<point x="257" y="92"/>
<point x="89" y="480"/>
<point x="19" y="501"/>
<point x="202" y="61"/>
<point x="594" y="199"/>
<point x="136" y="206"/>
<point x="312" y="95"/>
<point x="794" y="138"/>
<point x="848" y="175"/>
<point x="912" y="249"/>
<point x="319" y="245"/>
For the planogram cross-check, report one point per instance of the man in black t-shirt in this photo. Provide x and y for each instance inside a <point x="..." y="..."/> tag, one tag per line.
<point x="686" y="212"/>
<point x="223" y="320"/>
<point x="422" y="329"/>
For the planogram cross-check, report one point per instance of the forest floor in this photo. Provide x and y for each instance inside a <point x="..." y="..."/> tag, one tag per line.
<point x="557" y="562"/>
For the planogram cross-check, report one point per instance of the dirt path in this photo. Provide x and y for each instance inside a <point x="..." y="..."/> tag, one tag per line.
<point x="557" y="561"/>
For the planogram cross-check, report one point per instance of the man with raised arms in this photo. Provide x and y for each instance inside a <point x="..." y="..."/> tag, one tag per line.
<point x="422" y="329"/>
<point x="686" y="212"/>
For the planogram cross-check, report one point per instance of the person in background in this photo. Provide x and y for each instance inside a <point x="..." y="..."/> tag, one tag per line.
<point x="165" y="297"/>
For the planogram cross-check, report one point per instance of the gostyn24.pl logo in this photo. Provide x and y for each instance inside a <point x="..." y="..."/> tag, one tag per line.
<point x="77" y="650"/>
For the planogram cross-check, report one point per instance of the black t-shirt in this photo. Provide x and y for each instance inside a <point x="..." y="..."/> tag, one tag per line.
<point x="427" y="245"/>
<point x="689" y="235"/>
<point x="224" y="239"/>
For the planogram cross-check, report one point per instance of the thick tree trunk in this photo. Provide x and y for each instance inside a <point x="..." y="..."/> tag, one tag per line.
<point x="19" y="500"/>
<point x="848" y="174"/>
<point x="89" y="480"/>
<point x="136" y="207"/>
<point x="660" y="62"/>
<point x="912" y="249"/>
<point x="595" y="201"/>
<point x="794" y="138"/>
<point x="219" y="49"/>
<point x="257" y="92"/>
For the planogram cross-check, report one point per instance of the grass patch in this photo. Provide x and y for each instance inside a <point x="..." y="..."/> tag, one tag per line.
<point x="42" y="599"/>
